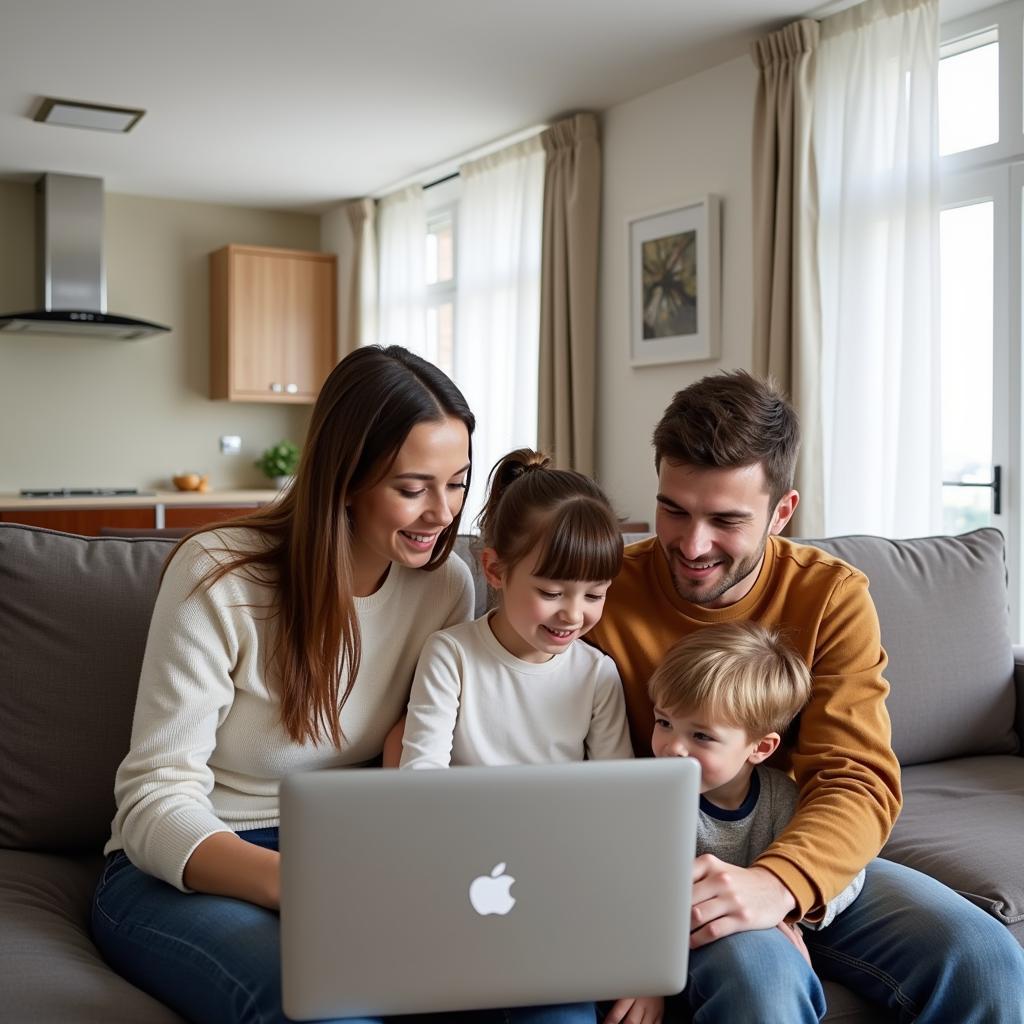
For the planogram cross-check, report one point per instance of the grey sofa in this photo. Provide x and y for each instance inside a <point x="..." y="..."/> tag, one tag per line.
<point x="73" y="619"/>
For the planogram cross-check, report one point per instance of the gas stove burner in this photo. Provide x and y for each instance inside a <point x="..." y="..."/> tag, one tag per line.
<point x="82" y="492"/>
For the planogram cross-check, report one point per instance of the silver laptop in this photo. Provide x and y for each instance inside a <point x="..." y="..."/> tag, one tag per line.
<point x="434" y="891"/>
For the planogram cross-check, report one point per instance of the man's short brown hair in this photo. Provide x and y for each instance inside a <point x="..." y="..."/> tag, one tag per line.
<point x="728" y="420"/>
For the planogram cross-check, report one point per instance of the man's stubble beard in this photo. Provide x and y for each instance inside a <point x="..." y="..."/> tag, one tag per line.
<point x="739" y="573"/>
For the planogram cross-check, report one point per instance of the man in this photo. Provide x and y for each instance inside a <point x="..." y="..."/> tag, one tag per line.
<point x="725" y="453"/>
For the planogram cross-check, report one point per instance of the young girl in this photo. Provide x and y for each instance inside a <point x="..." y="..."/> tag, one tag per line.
<point x="514" y="687"/>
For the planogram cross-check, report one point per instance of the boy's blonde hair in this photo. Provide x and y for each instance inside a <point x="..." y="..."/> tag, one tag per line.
<point x="739" y="673"/>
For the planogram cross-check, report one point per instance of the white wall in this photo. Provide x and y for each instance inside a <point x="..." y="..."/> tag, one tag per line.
<point x="662" y="150"/>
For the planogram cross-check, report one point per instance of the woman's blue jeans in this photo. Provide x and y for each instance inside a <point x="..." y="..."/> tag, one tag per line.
<point x="216" y="959"/>
<point x="907" y="943"/>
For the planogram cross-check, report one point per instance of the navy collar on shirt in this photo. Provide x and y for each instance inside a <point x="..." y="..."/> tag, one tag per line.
<point x="745" y="808"/>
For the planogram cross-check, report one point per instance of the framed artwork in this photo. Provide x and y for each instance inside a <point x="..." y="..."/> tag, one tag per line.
<point x="674" y="268"/>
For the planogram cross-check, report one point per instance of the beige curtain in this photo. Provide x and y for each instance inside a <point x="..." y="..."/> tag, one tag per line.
<point x="787" y="308"/>
<point x="347" y="230"/>
<point x="568" y="298"/>
<point x="361" y="319"/>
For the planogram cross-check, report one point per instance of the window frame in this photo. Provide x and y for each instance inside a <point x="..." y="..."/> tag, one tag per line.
<point x="1008" y="20"/>
<point x="996" y="172"/>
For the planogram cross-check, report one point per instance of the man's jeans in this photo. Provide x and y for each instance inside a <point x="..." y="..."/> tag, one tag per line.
<point x="907" y="942"/>
<point x="217" y="959"/>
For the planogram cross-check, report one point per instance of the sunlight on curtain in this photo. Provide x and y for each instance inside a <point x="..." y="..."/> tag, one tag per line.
<point x="402" y="281"/>
<point x="498" y="321"/>
<point x="876" y="145"/>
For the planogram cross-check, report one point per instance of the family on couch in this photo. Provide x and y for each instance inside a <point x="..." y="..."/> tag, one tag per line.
<point x="263" y="630"/>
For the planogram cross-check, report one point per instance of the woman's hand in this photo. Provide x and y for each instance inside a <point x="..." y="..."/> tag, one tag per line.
<point x="225" y="865"/>
<point x="646" y="1010"/>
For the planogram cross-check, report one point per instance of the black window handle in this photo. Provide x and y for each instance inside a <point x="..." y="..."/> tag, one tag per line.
<point x="996" y="483"/>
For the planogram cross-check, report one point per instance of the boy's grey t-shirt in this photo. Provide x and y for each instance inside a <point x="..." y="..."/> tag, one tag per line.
<point x="740" y="836"/>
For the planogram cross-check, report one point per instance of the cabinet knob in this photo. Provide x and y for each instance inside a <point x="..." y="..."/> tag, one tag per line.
<point x="276" y="388"/>
<point x="292" y="389"/>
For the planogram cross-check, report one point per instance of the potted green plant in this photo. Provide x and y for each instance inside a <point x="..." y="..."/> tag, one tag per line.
<point x="279" y="462"/>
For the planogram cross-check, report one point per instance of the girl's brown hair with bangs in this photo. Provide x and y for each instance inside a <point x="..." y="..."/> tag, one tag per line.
<point x="362" y="417"/>
<point x="530" y="504"/>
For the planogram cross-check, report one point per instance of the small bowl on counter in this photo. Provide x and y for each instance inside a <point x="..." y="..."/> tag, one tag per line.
<point x="191" y="481"/>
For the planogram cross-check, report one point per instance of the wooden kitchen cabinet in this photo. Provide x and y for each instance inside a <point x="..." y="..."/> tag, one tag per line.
<point x="273" y="323"/>
<point x="148" y="511"/>
<point x="84" y="521"/>
<point x="192" y="516"/>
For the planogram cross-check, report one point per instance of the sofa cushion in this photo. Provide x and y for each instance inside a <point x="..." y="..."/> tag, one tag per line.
<point x="74" y="612"/>
<point x="1018" y="679"/>
<point x="961" y="823"/>
<point x="52" y="971"/>
<point x="942" y="605"/>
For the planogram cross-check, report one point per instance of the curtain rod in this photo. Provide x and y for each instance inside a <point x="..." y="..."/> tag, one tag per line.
<point x="441" y="181"/>
<point x="450" y="168"/>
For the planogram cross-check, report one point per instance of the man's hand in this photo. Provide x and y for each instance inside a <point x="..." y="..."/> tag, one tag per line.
<point x="648" y="1010"/>
<point x="729" y="899"/>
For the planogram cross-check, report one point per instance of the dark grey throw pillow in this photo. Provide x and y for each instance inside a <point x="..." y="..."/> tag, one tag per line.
<point x="942" y="605"/>
<point x="74" y="613"/>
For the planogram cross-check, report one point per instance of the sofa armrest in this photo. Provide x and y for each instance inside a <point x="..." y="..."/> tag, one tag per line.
<point x="1018" y="680"/>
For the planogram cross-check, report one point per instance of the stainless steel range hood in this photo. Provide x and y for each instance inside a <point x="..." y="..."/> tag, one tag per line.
<point x="72" y="273"/>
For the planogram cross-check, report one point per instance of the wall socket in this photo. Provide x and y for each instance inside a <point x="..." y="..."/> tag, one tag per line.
<point x="230" y="443"/>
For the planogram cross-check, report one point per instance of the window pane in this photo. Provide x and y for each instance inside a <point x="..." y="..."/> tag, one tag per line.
<point x="969" y="96"/>
<point x="441" y="334"/>
<point x="967" y="298"/>
<point x="445" y="336"/>
<point x="440" y="251"/>
<point x="966" y="508"/>
<point x="445" y="253"/>
<point x="431" y="265"/>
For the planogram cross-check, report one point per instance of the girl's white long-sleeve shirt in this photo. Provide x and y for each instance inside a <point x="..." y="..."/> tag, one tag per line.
<point x="208" y="749"/>
<point x="474" y="703"/>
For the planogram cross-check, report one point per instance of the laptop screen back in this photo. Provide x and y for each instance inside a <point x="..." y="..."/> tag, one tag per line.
<point x="433" y="891"/>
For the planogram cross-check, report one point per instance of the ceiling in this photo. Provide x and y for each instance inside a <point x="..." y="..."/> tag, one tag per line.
<point x="297" y="104"/>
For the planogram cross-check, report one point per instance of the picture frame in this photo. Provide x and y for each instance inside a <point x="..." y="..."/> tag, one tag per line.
<point x="675" y="286"/>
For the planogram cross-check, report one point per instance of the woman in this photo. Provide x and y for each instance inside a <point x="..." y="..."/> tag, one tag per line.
<point x="284" y="641"/>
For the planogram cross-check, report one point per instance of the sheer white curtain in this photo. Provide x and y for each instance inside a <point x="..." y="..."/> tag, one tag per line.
<point x="876" y="146"/>
<point x="497" y="332"/>
<point x="401" y="276"/>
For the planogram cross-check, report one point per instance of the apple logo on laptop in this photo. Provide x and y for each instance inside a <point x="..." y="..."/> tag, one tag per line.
<point x="489" y="894"/>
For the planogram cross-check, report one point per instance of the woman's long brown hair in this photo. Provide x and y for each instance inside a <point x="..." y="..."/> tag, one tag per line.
<point x="365" y="411"/>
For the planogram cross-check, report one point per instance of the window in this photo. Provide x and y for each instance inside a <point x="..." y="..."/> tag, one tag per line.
<point x="440" y="272"/>
<point x="966" y="238"/>
<point x="459" y="283"/>
<point x="981" y="141"/>
<point x="969" y="92"/>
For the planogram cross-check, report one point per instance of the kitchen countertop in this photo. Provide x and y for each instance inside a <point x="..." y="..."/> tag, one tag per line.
<point x="12" y="502"/>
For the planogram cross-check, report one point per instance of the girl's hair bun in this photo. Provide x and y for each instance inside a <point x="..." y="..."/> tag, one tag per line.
<point x="523" y="460"/>
<point x="563" y="511"/>
<point x="506" y="472"/>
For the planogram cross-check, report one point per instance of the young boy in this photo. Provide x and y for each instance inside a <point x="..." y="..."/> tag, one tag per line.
<point x="725" y="696"/>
